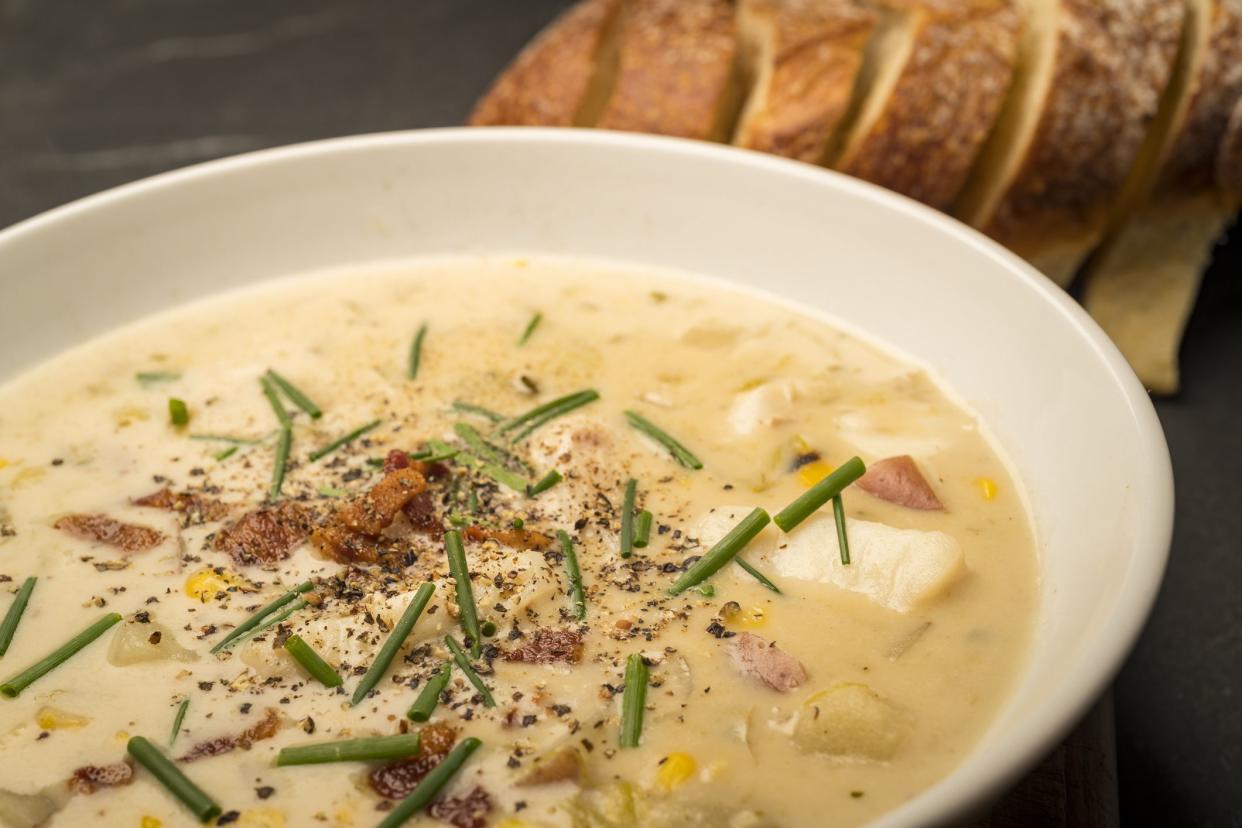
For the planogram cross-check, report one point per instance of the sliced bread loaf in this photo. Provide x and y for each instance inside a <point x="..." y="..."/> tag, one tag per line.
<point x="934" y="82"/>
<point x="1089" y="81"/>
<point x="676" y="73"/>
<point x="564" y="75"/>
<point x="800" y="60"/>
<point x="1142" y="285"/>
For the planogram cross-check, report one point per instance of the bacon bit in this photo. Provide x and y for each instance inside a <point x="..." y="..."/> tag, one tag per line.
<point x="127" y="537"/>
<point x="755" y="656"/>
<point x="547" y="646"/>
<point x="352" y="532"/>
<point x="421" y="513"/>
<point x="469" y="811"/>
<point x="513" y="538"/>
<point x="87" y="780"/>
<point x="396" y="459"/>
<point x="396" y="779"/>
<point x="264" y="729"/>
<point x="898" y="480"/>
<point x="266" y="535"/>
<point x="194" y="509"/>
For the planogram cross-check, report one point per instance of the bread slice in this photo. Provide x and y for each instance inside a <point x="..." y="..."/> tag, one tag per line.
<point x="562" y="77"/>
<point x="934" y="81"/>
<point x="676" y="73"/>
<point x="800" y="60"/>
<point x="1089" y="81"/>
<point x="1142" y="284"/>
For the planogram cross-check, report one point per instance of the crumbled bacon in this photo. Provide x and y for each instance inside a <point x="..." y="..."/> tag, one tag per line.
<point x="469" y="811"/>
<point x="514" y="538"/>
<point x="264" y="729"/>
<point x="352" y="532"/>
<point x="194" y="508"/>
<point x="88" y="779"/>
<point x="127" y="537"/>
<point x="266" y="535"/>
<point x="547" y="645"/>
<point x="396" y="779"/>
<point x="396" y="459"/>
<point x="755" y="656"/>
<point x="898" y="480"/>
<point x="421" y="513"/>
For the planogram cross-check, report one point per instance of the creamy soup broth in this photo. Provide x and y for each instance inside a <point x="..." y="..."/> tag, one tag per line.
<point x="894" y="681"/>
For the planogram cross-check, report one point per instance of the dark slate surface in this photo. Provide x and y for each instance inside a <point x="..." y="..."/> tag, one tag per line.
<point x="94" y="94"/>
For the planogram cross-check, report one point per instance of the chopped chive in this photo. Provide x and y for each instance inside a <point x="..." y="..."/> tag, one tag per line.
<point x="546" y="482"/>
<point x="393" y="643"/>
<point x="177" y="720"/>
<point x="14" y="686"/>
<point x="530" y="328"/>
<point x="485" y="450"/>
<point x="706" y="590"/>
<point x="488" y="628"/>
<point x="725" y="550"/>
<point x="575" y="574"/>
<point x="429" y="696"/>
<point x="463" y="661"/>
<point x="343" y="441"/>
<point x="313" y="663"/>
<point x="843" y="541"/>
<point x="149" y="378"/>
<point x="465" y="595"/>
<point x="225" y="454"/>
<point x="642" y="529"/>
<point x="14" y="616"/>
<point x="371" y="749"/>
<point x="256" y="619"/>
<point x="504" y="477"/>
<point x="634" y="701"/>
<point x="627" y="518"/>
<point x="281" y="617"/>
<point x="517" y="523"/>
<point x="295" y="396"/>
<point x="178" y="412"/>
<point x="331" y="491"/>
<point x="416" y="351"/>
<point x="226" y="438"/>
<point x="541" y="414"/>
<point x="440" y="450"/>
<point x="472" y="502"/>
<point x="680" y="453"/>
<point x="273" y="399"/>
<point x="171" y="777"/>
<point x="431" y="784"/>
<point x="819" y="494"/>
<point x="283" y="445"/>
<point x="757" y="575"/>
<point x="477" y="410"/>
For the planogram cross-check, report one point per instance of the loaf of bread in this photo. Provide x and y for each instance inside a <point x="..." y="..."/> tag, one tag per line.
<point x="1092" y="137"/>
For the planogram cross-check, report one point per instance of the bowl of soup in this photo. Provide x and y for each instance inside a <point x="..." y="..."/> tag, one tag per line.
<point x="529" y="478"/>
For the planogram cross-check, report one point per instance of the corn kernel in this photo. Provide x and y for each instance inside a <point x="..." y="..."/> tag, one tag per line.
<point x="121" y="736"/>
<point x="53" y="718"/>
<point x="30" y="474"/>
<point x="813" y="472"/>
<point x="675" y="771"/>
<point x="206" y="583"/>
<point x="513" y="822"/>
<point x="150" y="822"/>
<point x="262" y="818"/>
<point x="3" y="462"/>
<point x="130" y="414"/>
<point x="987" y="487"/>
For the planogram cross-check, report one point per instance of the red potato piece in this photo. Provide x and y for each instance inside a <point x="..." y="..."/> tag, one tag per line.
<point x="88" y="779"/>
<point x="127" y="537"/>
<point x="264" y="729"/>
<point x="396" y="780"/>
<point x="193" y="508"/>
<point x="898" y="480"/>
<point x="547" y="646"/>
<point x="755" y="656"/>
<point x="469" y="811"/>
<point x="266" y="535"/>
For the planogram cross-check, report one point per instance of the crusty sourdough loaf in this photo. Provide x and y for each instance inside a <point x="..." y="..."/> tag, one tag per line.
<point x="676" y="73"/>
<point x="934" y="82"/>
<point x="561" y="77"/>
<point x="1090" y="77"/>
<point x="800" y="61"/>
<point x="1142" y="284"/>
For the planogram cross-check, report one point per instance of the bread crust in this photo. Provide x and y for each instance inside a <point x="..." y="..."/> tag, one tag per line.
<point x="549" y="81"/>
<point x="676" y="73"/>
<point x="945" y="101"/>
<point x="813" y="50"/>
<point x="1113" y="60"/>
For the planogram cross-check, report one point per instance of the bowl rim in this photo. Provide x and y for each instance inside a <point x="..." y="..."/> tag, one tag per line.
<point x="952" y="796"/>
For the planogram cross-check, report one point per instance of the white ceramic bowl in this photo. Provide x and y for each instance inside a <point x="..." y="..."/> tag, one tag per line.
<point x="1072" y="417"/>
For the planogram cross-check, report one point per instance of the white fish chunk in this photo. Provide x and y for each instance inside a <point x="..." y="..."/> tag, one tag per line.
<point x="765" y="406"/>
<point x="901" y="569"/>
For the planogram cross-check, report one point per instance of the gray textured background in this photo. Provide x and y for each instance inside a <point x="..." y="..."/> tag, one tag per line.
<point x="94" y="93"/>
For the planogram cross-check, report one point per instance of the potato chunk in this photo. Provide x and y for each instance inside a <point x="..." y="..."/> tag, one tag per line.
<point x="850" y="721"/>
